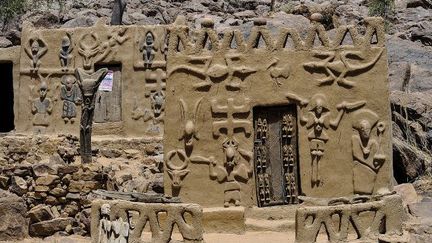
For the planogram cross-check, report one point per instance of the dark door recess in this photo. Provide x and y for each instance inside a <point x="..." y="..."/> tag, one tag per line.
<point x="276" y="159"/>
<point x="6" y="98"/>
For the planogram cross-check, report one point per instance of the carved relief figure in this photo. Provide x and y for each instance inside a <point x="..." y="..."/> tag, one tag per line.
<point x="155" y="89"/>
<point x="232" y="172"/>
<point x="41" y="108"/>
<point x="36" y="49"/>
<point x="215" y="70"/>
<point x="105" y="225"/>
<point x="120" y="231"/>
<point x="318" y="120"/>
<point x="231" y="123"/>
<point x="148" y="48"/>
<point x="158" y="103"/>
<point x="65" y="53"/>
<point x="177" y="173"/>
<point x="368" y="157"/>
<point x="339" y="64"/>
<point x="93" y="50"/>
<point x="71" y="96"/>
<point x="189" y="119"/>
<point x="88" y="84"/>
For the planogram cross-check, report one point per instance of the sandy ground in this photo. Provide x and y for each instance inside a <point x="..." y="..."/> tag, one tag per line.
<point x="250" y="237"/>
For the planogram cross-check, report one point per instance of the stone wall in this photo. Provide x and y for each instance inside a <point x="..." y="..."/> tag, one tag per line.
<point x="47" y="173"/>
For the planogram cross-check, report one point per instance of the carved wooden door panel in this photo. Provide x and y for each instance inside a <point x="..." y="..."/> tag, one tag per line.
<point x="108" y="103"/>
<point x="276" y="166"/>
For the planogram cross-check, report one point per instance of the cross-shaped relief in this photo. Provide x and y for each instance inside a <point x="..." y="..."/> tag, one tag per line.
<point x="230" y="124"/>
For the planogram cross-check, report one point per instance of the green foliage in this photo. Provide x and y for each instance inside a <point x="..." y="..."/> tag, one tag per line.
<point x="11" y="8"/>
<point x="381" y="8"/>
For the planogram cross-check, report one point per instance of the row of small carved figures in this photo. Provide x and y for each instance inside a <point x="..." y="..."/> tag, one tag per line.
<point x="206" y="37"/>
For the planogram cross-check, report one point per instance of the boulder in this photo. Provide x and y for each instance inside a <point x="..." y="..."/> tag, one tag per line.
<point x="5" y="42"/>
<point x="49" y="227"/>
<point x="47" y="180"/>
<point x="407" y="192"/>
<point x="40" y="213"/>
<point x="18" y="186"/>
<point x="13" y="221"/>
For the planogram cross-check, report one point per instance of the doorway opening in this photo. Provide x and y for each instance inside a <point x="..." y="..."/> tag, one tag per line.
<point x="6" y="98"/>
<point x="276" y="156"/>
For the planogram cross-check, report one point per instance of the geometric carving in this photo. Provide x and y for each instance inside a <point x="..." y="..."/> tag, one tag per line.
<point x="88" y="84"/>
<point x="137" y="215"/>
<point x="155" y="80"/>
<point x="367" y="220"/>
<point x="337" y="65"/>
<point x="317" y="119"/>
<point x="71" y="96"/>
<point x="231" y="124"/>
<point x="368" y="157"/>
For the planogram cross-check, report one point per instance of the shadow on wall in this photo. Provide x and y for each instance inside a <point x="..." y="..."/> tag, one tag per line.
<point x="6" y="98"/>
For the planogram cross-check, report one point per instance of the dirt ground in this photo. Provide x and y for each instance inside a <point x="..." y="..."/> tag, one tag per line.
<point x="250" y="237"/>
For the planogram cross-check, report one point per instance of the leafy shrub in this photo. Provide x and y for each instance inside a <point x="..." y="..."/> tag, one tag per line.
<point x="381" y="8"/>
<point x="11" y="8"/>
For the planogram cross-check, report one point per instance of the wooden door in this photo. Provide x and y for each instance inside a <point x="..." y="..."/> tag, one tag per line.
<point x="276" y="160"/>
<point x="108" y="103"/>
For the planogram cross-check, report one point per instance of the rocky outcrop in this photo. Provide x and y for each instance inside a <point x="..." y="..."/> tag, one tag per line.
<point x="45" y="175"/>
<point x="13" y="221"/>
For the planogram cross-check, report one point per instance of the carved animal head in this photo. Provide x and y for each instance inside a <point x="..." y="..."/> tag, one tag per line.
<point x="177" y="177"/>
<point x="230" y="146"/>
<point x="177" y="172"/>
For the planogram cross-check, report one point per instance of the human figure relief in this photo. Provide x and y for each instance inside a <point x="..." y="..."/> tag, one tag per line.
<point x="120" y="231"/>
<point x="41" y="109"/>
<point x="318" y="119"/>
<point x="368" y="157"/>
<point x="232" y="172"/>
<point x="88" y="84"/>
<point x="71" y="96"/>
<point x="65" y="53"/>
<point x="148" y="48"/>
<point x="105" y="225"/>
<point x="36" y="49"/>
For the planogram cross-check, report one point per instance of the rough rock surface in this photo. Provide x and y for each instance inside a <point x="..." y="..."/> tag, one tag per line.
<point x="13" y="221"/>
<point x="47" y="175"/>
